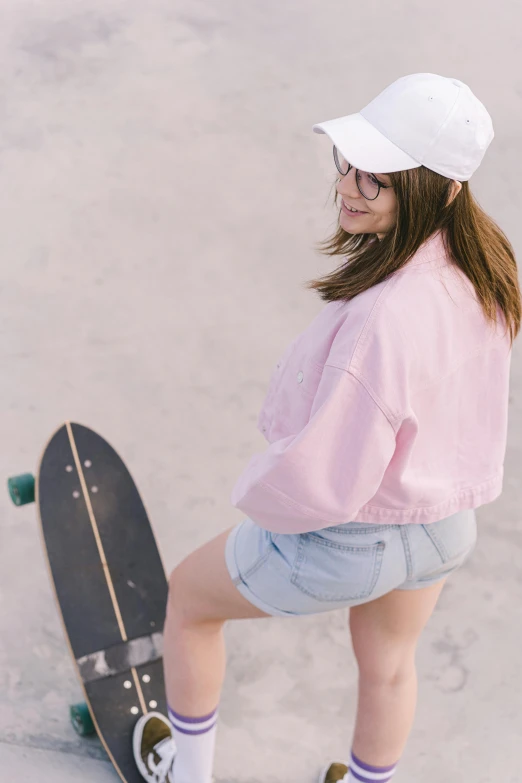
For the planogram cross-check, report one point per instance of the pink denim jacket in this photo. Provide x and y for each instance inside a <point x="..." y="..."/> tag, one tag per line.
<point x="388" y="409"/>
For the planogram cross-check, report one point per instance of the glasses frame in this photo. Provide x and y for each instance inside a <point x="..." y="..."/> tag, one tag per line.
<point x="380" y="185"/>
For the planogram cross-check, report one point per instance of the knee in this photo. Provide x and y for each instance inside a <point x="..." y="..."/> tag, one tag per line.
<point x="383" y="659"/>
<point x="173" y="581"/>
<point x="176" y="589"/>
<point x="387" y="678"/>
<point x="184" y="610"/>
<point x="386" y="667"/>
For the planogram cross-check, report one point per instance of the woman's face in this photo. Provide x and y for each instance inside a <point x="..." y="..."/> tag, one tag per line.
<point x="373" y="217"/>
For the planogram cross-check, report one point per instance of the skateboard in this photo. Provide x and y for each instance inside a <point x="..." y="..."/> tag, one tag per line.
<point x="109" y="582"/>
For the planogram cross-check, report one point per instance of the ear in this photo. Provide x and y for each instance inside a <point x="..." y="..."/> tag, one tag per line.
<point x="456" y="187"/>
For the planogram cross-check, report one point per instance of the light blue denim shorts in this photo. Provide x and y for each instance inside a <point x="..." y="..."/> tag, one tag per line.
<point x="307" y="573"/>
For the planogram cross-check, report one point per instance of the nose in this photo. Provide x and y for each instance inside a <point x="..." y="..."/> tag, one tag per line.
<point x="347" y="186"/>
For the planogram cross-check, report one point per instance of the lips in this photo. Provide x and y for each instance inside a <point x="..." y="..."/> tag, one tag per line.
<point x="349" y="207"/>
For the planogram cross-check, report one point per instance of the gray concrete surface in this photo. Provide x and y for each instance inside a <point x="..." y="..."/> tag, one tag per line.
<point x="160" y="196"/>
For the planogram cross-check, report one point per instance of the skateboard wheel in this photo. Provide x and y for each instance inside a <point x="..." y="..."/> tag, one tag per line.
<point x="21" y="489"/>
<point x="81" y="719"/>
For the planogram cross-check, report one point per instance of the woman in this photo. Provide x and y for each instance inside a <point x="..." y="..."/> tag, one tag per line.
<point x="387" y="424"/>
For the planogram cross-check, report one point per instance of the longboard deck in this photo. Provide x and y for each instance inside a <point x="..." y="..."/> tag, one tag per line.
<point x="109" y="581"/>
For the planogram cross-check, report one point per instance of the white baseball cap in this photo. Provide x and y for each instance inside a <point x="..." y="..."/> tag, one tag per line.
<point x="419" y="120"/>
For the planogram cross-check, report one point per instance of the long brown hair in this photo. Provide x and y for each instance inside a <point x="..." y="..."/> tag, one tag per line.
<point x="473" y="240"/>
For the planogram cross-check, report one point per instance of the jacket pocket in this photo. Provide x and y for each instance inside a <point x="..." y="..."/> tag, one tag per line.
<point x="330" y="571"/>
<point x="292" y="402"/>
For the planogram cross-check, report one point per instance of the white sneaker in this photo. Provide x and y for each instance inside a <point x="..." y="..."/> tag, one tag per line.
<point x="154" y="748"/>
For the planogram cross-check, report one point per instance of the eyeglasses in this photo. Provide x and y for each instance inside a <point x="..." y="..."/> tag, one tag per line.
<point x="368" y="184"/>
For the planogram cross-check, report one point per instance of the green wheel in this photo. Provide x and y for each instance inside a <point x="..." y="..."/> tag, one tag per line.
<point x="81" y="719"/>
<point x="21" y="489"/>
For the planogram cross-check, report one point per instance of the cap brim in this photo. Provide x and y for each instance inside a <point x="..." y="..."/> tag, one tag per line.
<point x="364" y="146"/>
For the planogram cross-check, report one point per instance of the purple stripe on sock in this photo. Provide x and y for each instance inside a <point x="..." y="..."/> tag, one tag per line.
<point x="368" y="780"/>
<point x="369" y="768"/>
<point x="193" y="733"/>
<point x="192" y="720"/>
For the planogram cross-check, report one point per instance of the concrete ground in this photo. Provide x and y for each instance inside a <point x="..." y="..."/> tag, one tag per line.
<point x="161" y="193"/>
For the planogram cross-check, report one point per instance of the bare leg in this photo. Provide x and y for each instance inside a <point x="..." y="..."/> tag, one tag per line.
<point x="201" y="598"/>
<point x="385" y="713"/>
<point x="385" y="633"/>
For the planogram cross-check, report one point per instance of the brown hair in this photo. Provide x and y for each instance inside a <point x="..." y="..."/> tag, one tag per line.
<point x="473" y="240"/>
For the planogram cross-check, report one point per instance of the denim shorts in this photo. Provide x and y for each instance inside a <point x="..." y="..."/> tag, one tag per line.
<point x="307" y="573"/>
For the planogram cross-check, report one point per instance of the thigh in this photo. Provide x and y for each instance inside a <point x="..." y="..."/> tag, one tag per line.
<point x="385" y="632"/>
<point x="201" y="589"/>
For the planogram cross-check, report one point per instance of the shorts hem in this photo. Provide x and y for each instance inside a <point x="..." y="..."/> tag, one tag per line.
<point x="253" y="599"/>
<point x="420" y="585"/>
<point x="239" y="583"/>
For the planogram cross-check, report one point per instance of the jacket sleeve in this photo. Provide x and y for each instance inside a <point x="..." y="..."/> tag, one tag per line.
<point x="323" y="475"/>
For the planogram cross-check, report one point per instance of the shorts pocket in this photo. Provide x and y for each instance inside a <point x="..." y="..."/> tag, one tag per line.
<point x="446" y="569"/>
<point x="455" y="537"/>
<point x="333" y="571"/>
<point x="454" y="540"/>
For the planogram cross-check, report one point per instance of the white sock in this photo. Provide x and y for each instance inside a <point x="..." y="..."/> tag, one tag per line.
<point x="367" y="773"/>
<point x="195" y="740"/>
